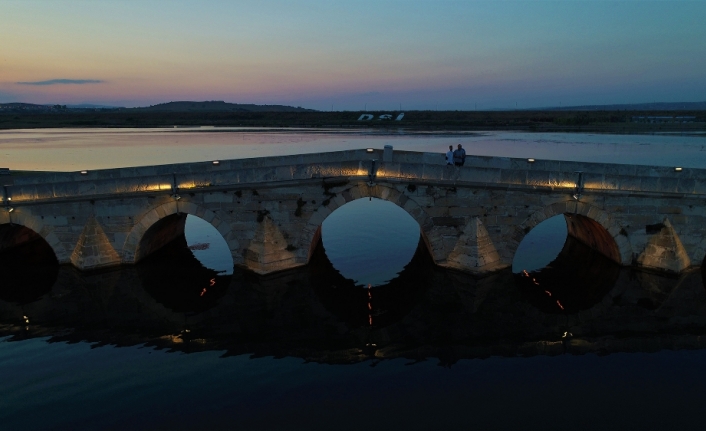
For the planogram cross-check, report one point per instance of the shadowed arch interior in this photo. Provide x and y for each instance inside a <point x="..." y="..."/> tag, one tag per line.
<point x="136" y="246"/>
<point x="14" y="235"/>
<point x="160" y="234"/>
<point x="587" y="224"/>
<point x="28" y="264"/>
<point x="579" y="276"/>
<point x="175" y="278"/>
<point x="592" y="234"/>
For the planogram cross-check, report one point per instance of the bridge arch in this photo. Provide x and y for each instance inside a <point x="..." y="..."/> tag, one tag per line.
<point x="592" y="223"/>
<point x="131" y="248"/>
<point x="312" y="231"/>
<point x="35" y="225"/>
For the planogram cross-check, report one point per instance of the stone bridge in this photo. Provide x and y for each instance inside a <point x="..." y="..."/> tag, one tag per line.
<point x="270" y="210"/>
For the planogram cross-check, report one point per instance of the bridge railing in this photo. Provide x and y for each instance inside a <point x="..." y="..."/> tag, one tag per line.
<point x="357" y="164"/>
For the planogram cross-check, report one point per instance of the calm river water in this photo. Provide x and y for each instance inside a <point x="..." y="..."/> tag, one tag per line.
<point x="77" y="149"/>
<point x="185" y="341"/>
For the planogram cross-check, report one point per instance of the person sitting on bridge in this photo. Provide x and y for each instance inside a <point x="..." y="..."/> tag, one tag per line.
<point x="459" y="156"/>
<point x="450" y="156"/>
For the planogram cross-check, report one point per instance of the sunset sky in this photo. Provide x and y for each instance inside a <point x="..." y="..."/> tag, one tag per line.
<point x="423" y="54"/>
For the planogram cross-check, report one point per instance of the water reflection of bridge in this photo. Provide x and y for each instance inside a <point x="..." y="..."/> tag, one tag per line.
<point x="269" y="210"/>
<point x="312" y="313"/>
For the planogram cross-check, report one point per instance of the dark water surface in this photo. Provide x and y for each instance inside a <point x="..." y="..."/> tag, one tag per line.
<point x="144" y="388"/>
<point x="181" y="343"/>
<point x="371" y="334"/>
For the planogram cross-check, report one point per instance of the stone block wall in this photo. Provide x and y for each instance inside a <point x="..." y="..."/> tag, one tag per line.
<point x="269" y="210"/>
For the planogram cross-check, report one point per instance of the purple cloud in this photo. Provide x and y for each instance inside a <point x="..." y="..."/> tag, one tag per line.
<point x="62" y="81"/>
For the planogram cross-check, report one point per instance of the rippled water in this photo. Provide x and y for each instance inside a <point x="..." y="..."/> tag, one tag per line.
<point x="77" y="387"/>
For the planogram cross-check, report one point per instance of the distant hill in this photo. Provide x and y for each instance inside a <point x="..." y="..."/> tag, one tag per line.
<point x="218" y="106"/>
<point x="23" y="107"/>
<point x="656" y="106"/>
<point x="31" y="107"/>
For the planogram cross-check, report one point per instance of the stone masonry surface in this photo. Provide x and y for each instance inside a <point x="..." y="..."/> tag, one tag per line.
<point x="269" y="210"/>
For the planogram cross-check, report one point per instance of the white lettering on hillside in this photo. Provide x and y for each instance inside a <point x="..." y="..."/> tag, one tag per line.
<point x="382" y="117"/>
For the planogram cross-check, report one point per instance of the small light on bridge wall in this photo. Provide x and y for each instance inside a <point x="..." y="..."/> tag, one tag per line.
<point x="84" y="172"/>
<point x="530" y="160"/>
<point x="575" y="196"/>
<point x="369" y="150"/>
<point x="9" y="198"/>
<point x="10" y="209"/>
<point x="216" y="162"/>
<point x="678" y="169"/>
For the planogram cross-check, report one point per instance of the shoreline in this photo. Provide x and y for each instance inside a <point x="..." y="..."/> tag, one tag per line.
<point x="611" y="122"/>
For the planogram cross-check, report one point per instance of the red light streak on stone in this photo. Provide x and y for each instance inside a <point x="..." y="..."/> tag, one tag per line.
<point x="203" y="292"/>
<point x="213" y="282"/>
<point x="559" y="304"/>
<point x="548" y="292"/>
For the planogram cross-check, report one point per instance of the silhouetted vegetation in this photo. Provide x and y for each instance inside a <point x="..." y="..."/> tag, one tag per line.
<point x="539" y="121"/>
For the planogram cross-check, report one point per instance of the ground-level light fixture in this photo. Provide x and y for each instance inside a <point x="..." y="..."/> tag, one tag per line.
<point x="530" y="160"/>
<point x="176" y="197"/>
<point x="369" y="150"/>
<point x="677" y="169"/>
<point x="10" y="209"/>
<point x="84" y="172"/>
<point x="216" y="162"/>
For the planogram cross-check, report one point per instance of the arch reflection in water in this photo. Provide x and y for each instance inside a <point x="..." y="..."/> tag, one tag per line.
<point x="576" y="279"/>
<point x="370" y="240"/>
<point x="28" y="266"/>
<point x="191" y="272"/>
<point x="371" y="306"/>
